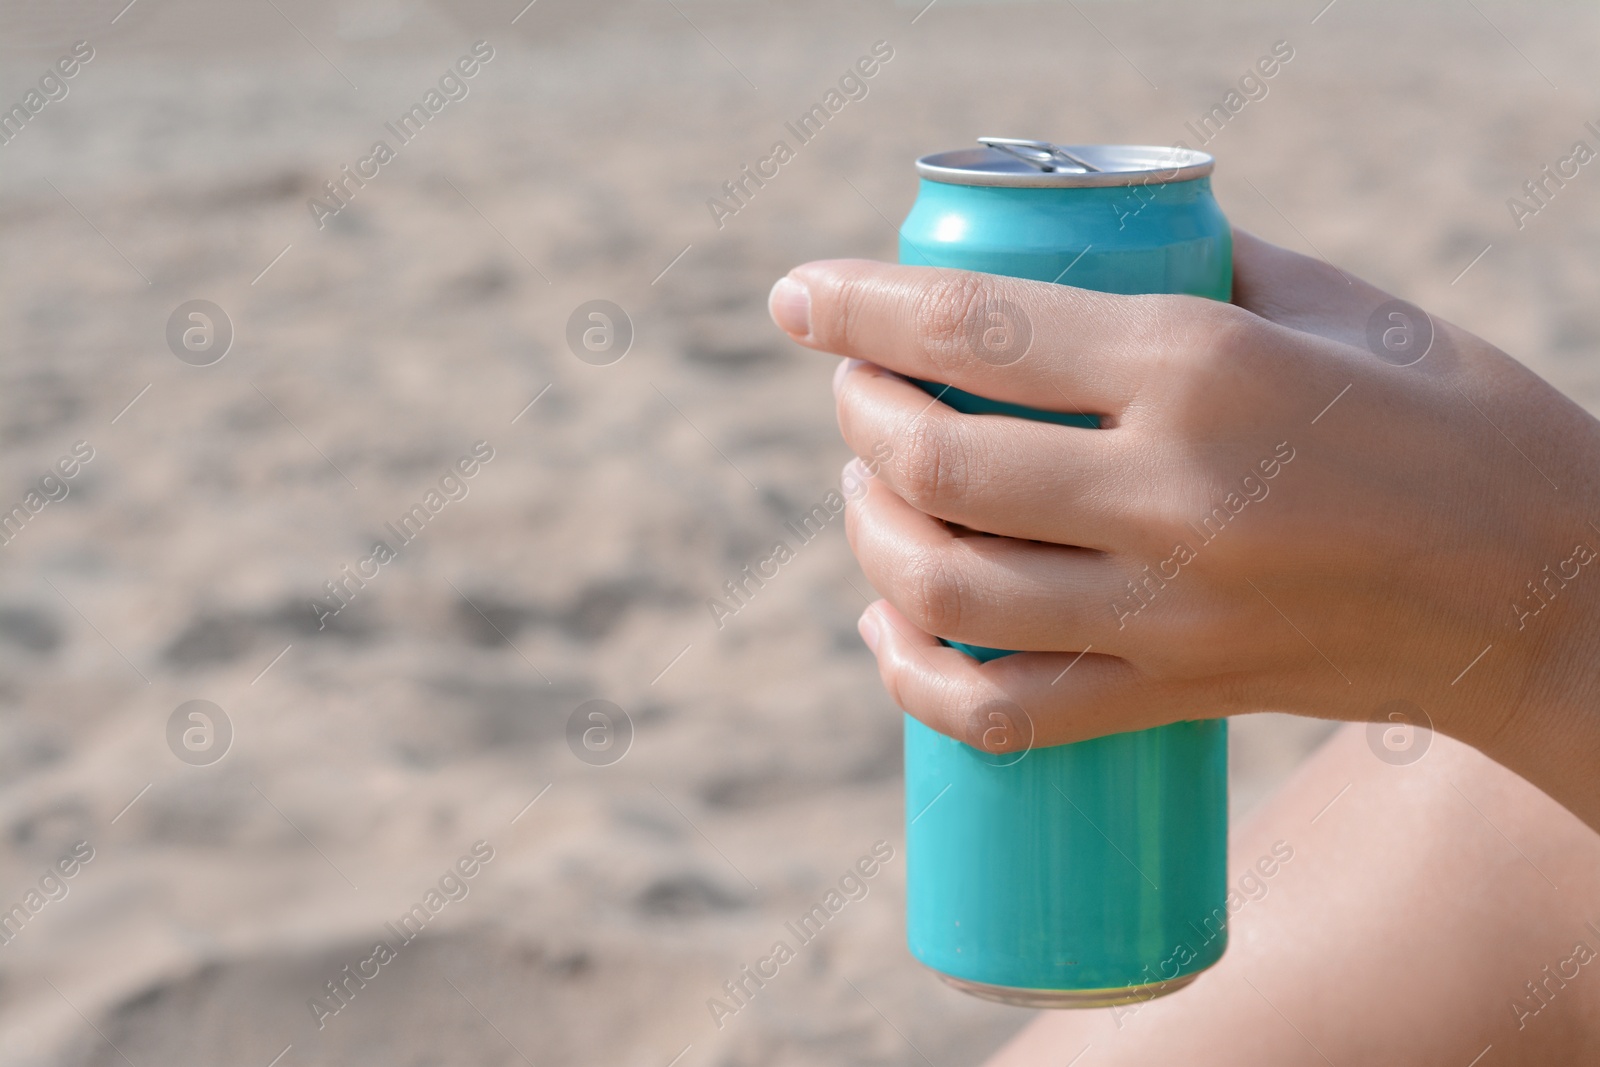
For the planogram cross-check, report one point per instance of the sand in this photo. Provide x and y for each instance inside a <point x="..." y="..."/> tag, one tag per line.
<point x="372" y="354"/>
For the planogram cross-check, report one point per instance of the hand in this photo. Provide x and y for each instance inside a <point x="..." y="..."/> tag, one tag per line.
<point x="1271" y="518"/>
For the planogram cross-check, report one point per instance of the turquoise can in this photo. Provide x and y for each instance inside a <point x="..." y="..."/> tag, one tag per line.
<point x="1095" y="873"/>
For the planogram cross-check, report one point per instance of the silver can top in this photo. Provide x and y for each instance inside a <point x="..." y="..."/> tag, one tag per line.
<point x="1006" y="161"/>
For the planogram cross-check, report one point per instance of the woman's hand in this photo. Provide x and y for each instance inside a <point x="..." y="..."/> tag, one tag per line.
<point x="1274" y="516"/>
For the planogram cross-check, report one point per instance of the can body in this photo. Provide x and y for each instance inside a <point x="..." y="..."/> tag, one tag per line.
<point x="1094" y="873"/>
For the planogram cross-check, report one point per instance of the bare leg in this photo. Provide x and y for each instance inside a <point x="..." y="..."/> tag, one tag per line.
<point x="1404" y="930"/>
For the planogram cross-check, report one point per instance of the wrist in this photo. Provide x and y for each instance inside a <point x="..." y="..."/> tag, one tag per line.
<point x="1542" y="717"/>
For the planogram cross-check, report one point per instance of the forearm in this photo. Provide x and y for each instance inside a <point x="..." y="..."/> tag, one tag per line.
<point x="1417" y="905"/>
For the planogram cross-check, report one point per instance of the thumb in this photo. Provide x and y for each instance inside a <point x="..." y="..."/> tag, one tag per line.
<point x="1300" y="292"/>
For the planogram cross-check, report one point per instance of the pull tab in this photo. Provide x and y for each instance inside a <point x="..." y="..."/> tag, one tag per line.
<point x="1042" y="154"/>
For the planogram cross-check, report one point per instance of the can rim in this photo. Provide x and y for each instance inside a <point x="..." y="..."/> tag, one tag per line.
<point x="1130" y="165"/>
<point x="1022" y="997"/>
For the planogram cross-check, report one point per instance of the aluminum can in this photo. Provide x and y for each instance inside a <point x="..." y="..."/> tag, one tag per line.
<point x="1094" y="873"/>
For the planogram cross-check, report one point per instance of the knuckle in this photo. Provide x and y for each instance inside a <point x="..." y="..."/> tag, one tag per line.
<point x="1193" y="335"/>
<point x="933" y="467"/>
<point x="943" y="315"/>
<point x="937" y="594"/>
<point x="1197" y="348"/>
<point x="1152" y="527"/>
<point x="1236" y="692"/>
<point x="968" y="725"/>
<point x="851" y="297"/>
<point x="1221" y="334"/>
<point x="978" y="723"/>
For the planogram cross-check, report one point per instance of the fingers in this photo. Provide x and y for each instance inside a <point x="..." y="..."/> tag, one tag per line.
<point x="1064" y="696"/>
<point x="1035" y="343"/>
<point x="991" y="591"/>
<point x="1007" y="476"/>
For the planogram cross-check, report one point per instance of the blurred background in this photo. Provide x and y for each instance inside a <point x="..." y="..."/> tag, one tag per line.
<point x="350" y="357"/>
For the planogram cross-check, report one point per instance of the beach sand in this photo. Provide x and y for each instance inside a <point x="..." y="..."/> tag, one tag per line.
<point x="370" y="355"/>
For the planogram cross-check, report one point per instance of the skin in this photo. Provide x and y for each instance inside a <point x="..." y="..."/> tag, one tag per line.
<point x="1390" y="548"/>
<point x="1408" y="543"/>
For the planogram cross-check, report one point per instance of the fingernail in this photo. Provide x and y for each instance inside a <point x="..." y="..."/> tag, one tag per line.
<point x="868" y="627"/>
<point x="789" y="303"/>
<point x="853" y="479"/>
<point x="845" y="366"/>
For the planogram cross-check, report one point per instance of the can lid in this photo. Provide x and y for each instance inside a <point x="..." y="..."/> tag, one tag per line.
<point x="1010" y="162"/>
